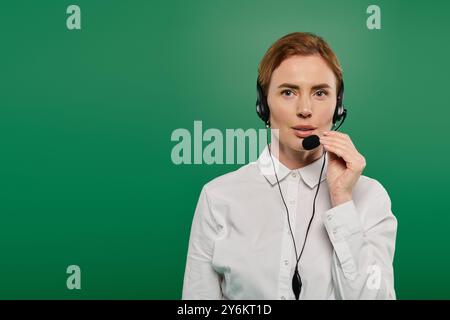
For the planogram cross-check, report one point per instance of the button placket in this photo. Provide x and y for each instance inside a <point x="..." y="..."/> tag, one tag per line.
<point x="292" y="190"/>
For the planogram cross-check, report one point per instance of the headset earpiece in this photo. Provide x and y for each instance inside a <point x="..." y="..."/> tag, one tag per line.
<point x="340" y="112"/>
<point x="262" y="109"/>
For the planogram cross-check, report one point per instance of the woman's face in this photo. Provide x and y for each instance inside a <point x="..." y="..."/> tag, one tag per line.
<point x="302" y="91"/>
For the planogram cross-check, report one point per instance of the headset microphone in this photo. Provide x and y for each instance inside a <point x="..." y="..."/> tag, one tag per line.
<point x="311" y="142"/>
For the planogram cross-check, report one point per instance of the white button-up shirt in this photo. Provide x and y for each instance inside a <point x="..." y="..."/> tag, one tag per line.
<point x="241" y="247"/>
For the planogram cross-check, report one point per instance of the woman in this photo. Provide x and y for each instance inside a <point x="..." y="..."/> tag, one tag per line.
<point x="261" y="234"/>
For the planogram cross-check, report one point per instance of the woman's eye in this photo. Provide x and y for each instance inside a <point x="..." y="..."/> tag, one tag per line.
<point x="287" y="91"/>
<point x="322" y="91"/>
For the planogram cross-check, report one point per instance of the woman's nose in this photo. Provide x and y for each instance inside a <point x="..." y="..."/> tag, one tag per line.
<point x="304" y="109"/>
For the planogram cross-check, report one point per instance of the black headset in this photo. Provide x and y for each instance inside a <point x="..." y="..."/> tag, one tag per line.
<point x="263" y="111"/>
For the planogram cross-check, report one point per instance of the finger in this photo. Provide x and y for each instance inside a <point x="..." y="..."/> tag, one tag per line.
<point x="347" y="153"/>
<point x="335" y="133"/>
<point x="336" y="139"/>
<point x="338" y="135"/>
<point x="350" y="157"/>
<point x="336" y="149"/>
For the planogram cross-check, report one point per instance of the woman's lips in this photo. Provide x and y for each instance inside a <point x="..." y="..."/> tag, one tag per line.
<point x="303" y="133"/>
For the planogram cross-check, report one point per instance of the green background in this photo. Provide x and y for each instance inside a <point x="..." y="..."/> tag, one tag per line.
<point x="86" y="117"/>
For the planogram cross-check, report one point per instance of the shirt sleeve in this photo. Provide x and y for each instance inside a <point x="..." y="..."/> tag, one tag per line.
<point x="363" y="238"/>
<point x="201" y="281"/>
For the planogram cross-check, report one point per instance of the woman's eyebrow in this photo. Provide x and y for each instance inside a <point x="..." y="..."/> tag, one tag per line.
<point x="296" y="87"/>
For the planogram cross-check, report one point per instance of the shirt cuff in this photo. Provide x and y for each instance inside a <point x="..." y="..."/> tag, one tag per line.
<point x="342" y="221"/>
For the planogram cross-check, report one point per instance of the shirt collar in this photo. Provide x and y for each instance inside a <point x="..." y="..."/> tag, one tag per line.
<point x="310" y="173"/>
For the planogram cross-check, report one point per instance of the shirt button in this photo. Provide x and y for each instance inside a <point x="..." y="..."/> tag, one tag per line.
<point x="286" y="262"/>
<point x="294" y="175"/>
<point x="348" y="267"/>
<point x="283" y="298"/>
<point x="330" y="217"/>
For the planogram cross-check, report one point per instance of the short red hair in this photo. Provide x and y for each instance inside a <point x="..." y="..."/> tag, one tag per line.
<point x="296" y="43"/>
